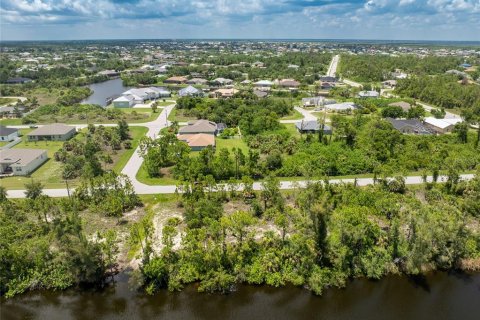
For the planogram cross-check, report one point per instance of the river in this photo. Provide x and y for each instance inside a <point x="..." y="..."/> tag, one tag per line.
<point x="437" y="296"/>
<point x="104" y="90"/>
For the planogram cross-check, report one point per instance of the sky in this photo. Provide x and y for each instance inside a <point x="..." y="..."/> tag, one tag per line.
<point x="247" y="19"/>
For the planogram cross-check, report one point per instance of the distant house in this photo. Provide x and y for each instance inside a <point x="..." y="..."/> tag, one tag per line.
<point x="21" y="162"/>
<point x="199" y="126"/>
<point x="389" y="84"/>
<point x="258" y="64"/>
<point x="197" y="81"/>
<point x="288" y="83"/>
<point x="368" y="94"/>
<point x="293" y="66"/>
<point x="441" y="125"/>
<point x="125" y="101"/>
<point x="224" y="93"/>
<point x="18" y="80"/>
<point x="327" y="79"/>
<point x="457" y="73"/>
<point x="109" y="73"/>
<point x="409" y="126"/>
<point x="8" y="134"/>
<point x="311" y="126"/>
<point x="313" y="101"/>
<point x="341" y="107"/>
<point x="221" y="82"/>
<point x="198" y="141"/>
<point x="190" y="92"/>
<point x="175" y="80"/>
<point x="465" y="65"/>
<point x="260" y="94"/>
<point x="327" y="85"/>
<point x="52" y="132"/>
<point x="11" y="111"/>
<point x="402" y="104"/>
<point x="263" y="84"/>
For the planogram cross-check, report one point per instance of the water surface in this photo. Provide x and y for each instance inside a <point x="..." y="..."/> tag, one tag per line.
<point x="437" y="296"/>
<point x="104" y="90"/>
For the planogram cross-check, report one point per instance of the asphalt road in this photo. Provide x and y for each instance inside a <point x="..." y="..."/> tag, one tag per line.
<point x="284" y="185"/>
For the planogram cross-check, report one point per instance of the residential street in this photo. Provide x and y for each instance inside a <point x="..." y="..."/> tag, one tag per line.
<point x="141" y="188"/>
<point x="332" y="69"/>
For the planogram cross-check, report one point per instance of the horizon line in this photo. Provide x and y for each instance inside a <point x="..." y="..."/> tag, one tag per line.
<point x="238" y="39"/>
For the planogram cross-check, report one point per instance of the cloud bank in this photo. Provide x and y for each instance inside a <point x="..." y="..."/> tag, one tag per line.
<point x="372" y="19"/>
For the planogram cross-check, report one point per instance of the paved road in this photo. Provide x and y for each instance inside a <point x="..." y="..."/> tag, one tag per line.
<point x="307" y="116"/>
<point x="352" y="83"/>
<point x="332" y="69"/>
<point x="284" y="185"/>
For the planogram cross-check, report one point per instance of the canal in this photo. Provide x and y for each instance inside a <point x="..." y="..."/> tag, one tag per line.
<point x="104" y="90"/>
<point x="437" y="296"/>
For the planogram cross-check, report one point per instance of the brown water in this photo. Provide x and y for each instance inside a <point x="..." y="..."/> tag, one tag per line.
<point x="437" y="296"/>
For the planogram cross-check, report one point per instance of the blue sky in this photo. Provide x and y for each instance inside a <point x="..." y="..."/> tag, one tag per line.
<point x="130" y="19"/>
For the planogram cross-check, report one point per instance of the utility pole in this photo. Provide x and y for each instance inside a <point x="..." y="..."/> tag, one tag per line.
<point x="68" y="189"/>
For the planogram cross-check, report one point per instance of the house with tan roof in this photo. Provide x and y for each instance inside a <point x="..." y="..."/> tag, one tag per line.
<point x="198" y="141"/>
<point x="224" y="93"/>
<point x="288" y="83"/>
<point x="175" y="80"/>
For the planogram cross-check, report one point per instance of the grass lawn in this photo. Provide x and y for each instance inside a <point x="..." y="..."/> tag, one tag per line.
<point x="2" y="143"/>
<point x="143" y="177"/>
<point x="136" y="133"/>
<point x="290" y="127"/>
<point x="4" y="101"/>
<point x="178" y="115"/>
<point x="294" y="115"/>
<point x="10" y="122"/>
<point x="230" y="144"/>
<point x="49" y="173"/>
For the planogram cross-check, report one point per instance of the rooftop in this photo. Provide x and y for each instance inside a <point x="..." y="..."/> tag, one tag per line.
<point x="20" y="156"/>
<point x="51" y="129"/>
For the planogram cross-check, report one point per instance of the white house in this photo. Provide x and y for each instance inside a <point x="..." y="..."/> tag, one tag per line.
<point x="263" y="84"/>
<point x="123" y="102"/>
<point x="441" y="125"/>
<point x="8" y="134"/>
<point x="368" y="94"/>
<point x="21" y="162"/>
<point x="341" y="107"/>
<point x="190" y="91"/>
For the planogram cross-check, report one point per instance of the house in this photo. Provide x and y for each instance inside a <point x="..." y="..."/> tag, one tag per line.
<point x="260" y="94"/>
<point x="327" y="79"/>
<point x="293" y="66"/>
<point x="389" y="84"/>
<point x="221" y="82"/>
<point x="311" y="126"/>
<point x="441" y="125"/>
<point x="313" y="101"/>
<point x="199" y="126"/>
<point x="402" y="104"/>
<point x="341" y="107"/>
<point x="8" y="134"/>
<point x="258" y="64"/>
<point x="288" y="83"/>
<point x="109" y="73"/>
<point x="224" y="93"/>
<point x="125" y="101"/>
<point x="263" y="84"/>
<point x="409" y="126"/>
<point x="190" y="92"/>
<point x="368" y="94"/>
<point x="245" y="82"/>
<point x="18" y="80"/>
<point x="220" y="127"/>
<point x="11" y="111"/>
<point x="175" y="80"/>
<point x="198" y="141"/>
<point x="52" y="132"/>
<point x="197" y="81"/>
<point x="21" y="162"/>
<point x="327" y="85"/>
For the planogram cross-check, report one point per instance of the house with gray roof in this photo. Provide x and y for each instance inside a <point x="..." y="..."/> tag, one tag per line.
<point x="8" y="134"/>
<point x="199" y="126"/>
<point x="52" y="132"/>
<point x="190" y="92"/>
<point x="409" y="126"/>
<point x="368" y="94"/>
<point x="21" y="162"/>
<point x="311" y="126"/>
